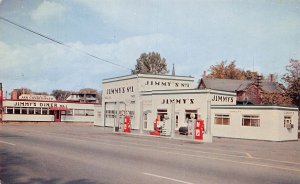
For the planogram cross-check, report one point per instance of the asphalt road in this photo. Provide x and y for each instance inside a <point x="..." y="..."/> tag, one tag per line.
<point x="82" y="154"/>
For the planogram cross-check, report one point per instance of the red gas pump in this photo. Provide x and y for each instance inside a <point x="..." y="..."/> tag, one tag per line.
<point x="127" y="125"/>
<point x="199" y="129"/>
<point x="156" y="131"/>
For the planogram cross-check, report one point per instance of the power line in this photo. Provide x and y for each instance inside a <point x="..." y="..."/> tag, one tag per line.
<point x="61" y="43"/>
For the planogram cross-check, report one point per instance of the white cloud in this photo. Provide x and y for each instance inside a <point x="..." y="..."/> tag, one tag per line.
<point x="44" y="67"/>
<point x="47" y="10"/>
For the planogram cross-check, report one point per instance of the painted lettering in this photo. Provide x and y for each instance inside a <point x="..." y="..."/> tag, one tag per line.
<point x="178" y="101"/>
<point x="218" y="98"/>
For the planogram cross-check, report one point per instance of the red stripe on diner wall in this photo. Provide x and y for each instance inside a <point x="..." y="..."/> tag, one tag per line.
<point x="59" y="109"/>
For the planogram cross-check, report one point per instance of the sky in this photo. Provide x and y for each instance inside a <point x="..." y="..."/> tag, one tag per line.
<point x="191" y="34"/>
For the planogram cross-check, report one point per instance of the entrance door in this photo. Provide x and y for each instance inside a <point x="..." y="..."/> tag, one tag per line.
<point x="57" y="116"/>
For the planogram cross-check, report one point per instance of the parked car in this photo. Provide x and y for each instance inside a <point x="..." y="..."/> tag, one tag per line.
<point x="183" y="130"/>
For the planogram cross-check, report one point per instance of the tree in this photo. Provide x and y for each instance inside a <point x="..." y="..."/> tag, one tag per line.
<point x="60" y="94"/>
<point x="224" y="71"/>
<point x="292" y="80"/>
<point x="276" y="99"/>
<point x="230" y="71"/>
<point x="249" y="75"/>
<point x="150" y="63"/>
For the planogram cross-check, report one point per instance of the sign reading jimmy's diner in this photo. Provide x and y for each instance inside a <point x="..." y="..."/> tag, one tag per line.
<point x="38" y="104"/>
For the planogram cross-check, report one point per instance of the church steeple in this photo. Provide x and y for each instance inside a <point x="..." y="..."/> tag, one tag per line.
<point x="173" y="70"/>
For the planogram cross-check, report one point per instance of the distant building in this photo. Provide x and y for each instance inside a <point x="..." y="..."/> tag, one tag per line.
<point x="247" y="91"/>
<point x="83" y="97"/>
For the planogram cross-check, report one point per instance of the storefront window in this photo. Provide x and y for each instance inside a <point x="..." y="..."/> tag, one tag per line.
<point x="189" y="112"/>
<point x="161" y="113"/>
<point x="251" y="120"/>
<point x="222" y="119"/>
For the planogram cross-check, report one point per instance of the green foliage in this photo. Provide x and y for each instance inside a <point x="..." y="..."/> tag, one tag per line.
<point x="292" y="80"/>
<point x="150" y="63"/>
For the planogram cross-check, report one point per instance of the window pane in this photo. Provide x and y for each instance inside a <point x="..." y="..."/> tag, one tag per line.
<point x="44" y="111"/>
<point x="38" y="111"/>
<point x="31" y="110"/>
<point x="226" y="121"/>
<point x="246" y="122"/>
<point x="24" y="110"/>
<point x="17" y="110"/>
<point x="9" y="110"/>
<point x="218" y="121"/>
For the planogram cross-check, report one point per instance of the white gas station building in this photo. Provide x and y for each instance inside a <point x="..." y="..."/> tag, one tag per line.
<point x="146" y="97"/>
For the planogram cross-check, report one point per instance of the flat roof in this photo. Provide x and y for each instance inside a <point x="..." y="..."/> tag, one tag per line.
<point x="255" y="107"/>
<point x="187" y="91"/>
<point x="169" y="77"/>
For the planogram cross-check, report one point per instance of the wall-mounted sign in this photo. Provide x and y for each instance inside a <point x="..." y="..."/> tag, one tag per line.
<point x="167" y="84"/>
<point x="37" y="97"/>
<point x="221" y="98"/>
<point x="39" y="104"/>
<point x="120" y="90"/>
<point x="178" y="101"/>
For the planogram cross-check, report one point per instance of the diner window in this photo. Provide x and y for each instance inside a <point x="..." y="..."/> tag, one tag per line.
<point x="44" y="111"/>
<point x="70" y="112"/>
<point x="89" y="112"/>
<point x="24" y="111"/>
<point x="9" y="110"/>
<point x="287" y="120"/>
<point x="222" y="119"/>
<point x="161" y="113"/>
<point x="38" y="111"/>
<point x="251" y="120"/>
<point x="17" y="110"/>
<point x="30" y="110"/>
<point x="79" y="112"/>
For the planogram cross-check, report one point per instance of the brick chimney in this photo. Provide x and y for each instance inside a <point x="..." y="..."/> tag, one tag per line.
<point x="14" y="95"/>
<point x="272" y="77"/>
